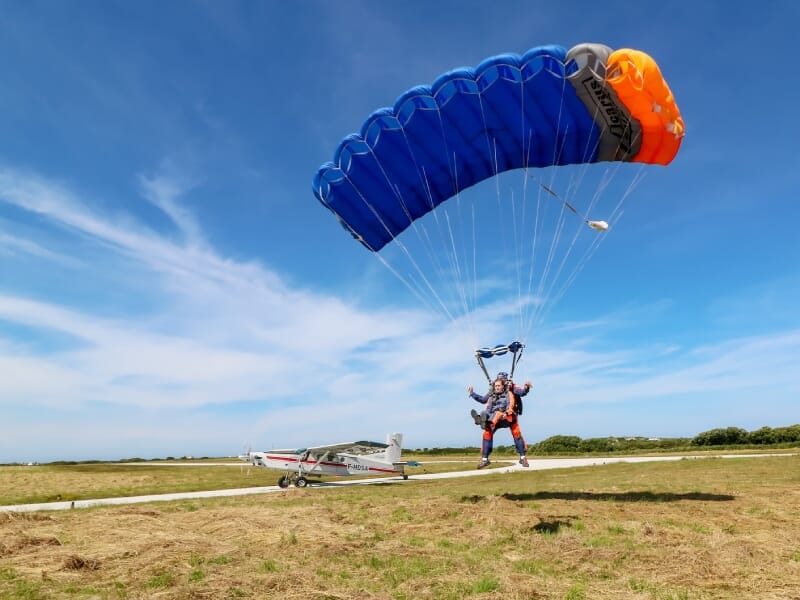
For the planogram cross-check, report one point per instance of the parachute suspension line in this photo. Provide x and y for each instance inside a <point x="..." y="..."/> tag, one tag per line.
<point x="558" y="148"/>
<point x="491" y="145"/>
<point x="399" y="244"/>
<point x="548" y="300"/>
<point x="608" y="176"/>
<point x="470" y="231"/>
<point x="492" y="153"/>
<point x="503" y="228"/>
<point x="434" y="256"/>
<point x="483" y="366"/>
<point x="406" y="211"/>
<point x="635" y="181"/>
<point x="614" y="217"/>
<point x="518" y="221"/>
<point x="366" y="202"/>
<point x="524" y="298"/>
<point x="421" y="274"/>
<point x="575" y="184"/>
<point x="433" y="253"/>
<point x="428" y="243"/>
<point x="462" y="285"/>
<point x="456" y="264"/>
<point x="534" y="282"/>
<point x="474" y="267"/>
<point x="423" y="235"/>
<point x="570" y="280"/>
<point x="515" y="360"/>
<point x="413" y="289"/>
<point x="416" y="289"/>
<point x="420" y="231"/>
<point x="517" y="260"/>
<point x="536" y="231"/>
<point x="553" y="298"/>
<point x="556" y="238"/>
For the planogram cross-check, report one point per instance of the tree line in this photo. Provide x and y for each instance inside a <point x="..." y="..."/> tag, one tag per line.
<point x="719" y="437"/>
<point x="714" y="438"/>
<point x="731" y="436"/>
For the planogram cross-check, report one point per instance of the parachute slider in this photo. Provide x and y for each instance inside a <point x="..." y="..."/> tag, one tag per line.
<point x="596" y="225"/>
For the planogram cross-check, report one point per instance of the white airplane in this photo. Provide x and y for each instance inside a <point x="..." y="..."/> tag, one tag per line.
<point x="348" y="458"/>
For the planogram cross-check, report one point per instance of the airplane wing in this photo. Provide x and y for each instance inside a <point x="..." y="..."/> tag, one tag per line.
<point x="286" y="450"/>
<point x="358" y="448"/>
<point x="362" y="447"/>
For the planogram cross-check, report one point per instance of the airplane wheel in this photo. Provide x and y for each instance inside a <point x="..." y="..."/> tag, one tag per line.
<point x="301" y="482"/>
<point x="405" y="477"/>
<point x="283" y="482"/>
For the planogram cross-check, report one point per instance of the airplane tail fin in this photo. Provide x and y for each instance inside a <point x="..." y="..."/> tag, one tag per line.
<point x="395" y="442"/>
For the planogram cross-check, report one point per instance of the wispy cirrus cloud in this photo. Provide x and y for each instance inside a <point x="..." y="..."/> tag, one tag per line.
<point x="164" y="191"/>
<point x="20" y="246"/>
<point x="230" y="351"/>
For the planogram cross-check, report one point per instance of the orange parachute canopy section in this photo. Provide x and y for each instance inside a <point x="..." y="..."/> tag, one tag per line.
<point x="638" y="83"/>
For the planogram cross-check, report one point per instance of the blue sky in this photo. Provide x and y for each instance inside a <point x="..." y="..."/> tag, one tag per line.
<point x="170" y="286"/>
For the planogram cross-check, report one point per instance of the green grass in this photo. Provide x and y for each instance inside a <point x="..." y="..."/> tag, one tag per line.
<point x="196" y="576"/>
<point x="576" y="592"/>
<point x="24" y="590"/>
<point x="160" y="581"/>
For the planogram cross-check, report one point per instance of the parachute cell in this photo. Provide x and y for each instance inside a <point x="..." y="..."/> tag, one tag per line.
<point x="547" y="107"/>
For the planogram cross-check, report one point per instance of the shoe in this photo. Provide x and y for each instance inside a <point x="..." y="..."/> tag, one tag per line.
<point x="484" y="463"/>
<point x="483" y="421"/>
<point x="475" y="416"/>
<point x="523" y="461"/>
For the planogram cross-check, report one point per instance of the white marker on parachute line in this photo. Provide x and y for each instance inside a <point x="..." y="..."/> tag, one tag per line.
<point x="596" y="225"/>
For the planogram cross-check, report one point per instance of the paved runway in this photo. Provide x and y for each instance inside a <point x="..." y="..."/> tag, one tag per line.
<point x="536" y="464"/>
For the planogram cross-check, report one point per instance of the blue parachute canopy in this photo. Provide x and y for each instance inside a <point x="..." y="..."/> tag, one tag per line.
<point x="510" y="112"/>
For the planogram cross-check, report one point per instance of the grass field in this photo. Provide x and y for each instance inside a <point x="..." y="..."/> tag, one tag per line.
<point x="692" y="529"/>
<point x="50" y="483"/>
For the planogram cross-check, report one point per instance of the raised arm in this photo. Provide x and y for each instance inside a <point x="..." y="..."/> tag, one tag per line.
<point x="521" y="391"/>
<point x="477" y="397"/>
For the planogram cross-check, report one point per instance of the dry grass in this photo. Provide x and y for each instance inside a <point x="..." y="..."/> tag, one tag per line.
<point x="698" y="529"/>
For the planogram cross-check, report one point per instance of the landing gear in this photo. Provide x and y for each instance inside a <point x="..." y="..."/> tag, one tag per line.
<point x="291" y="478"/>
